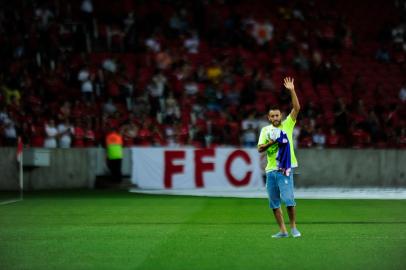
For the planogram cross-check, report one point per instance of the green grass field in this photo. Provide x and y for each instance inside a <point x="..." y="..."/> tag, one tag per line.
<point x="119" y="230"/>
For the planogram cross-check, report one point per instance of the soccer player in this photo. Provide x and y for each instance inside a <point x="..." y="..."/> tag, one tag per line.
<point x="276" y="140"/>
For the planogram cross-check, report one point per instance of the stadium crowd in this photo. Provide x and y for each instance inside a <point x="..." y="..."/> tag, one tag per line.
<point x="200" y="73"/>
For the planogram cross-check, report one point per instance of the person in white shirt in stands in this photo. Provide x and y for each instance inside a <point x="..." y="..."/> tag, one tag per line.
<point x="191" y="43"/>
<point x="319" y="138"/>
<point x="51" y="134"/>
<point x="10" y="133"/>
<point x="249" y="137"/>
<point x="65" y="132"/>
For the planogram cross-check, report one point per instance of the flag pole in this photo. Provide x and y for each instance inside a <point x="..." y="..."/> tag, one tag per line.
<point x="21" y="178"/>
<point x="20" y="148"/>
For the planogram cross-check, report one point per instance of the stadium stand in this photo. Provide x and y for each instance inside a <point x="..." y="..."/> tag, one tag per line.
<point x="201" y="73"/>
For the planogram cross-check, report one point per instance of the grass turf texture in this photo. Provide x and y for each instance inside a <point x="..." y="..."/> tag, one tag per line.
<point x="118" y="230"/>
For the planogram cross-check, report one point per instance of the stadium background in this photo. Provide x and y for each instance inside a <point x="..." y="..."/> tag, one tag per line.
<point x="203" y="73"/>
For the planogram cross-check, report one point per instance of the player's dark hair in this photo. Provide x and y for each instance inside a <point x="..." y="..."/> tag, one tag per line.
<point x="274" y="108"/>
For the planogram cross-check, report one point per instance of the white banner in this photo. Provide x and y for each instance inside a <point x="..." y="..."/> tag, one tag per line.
<point x="189" y="168"/>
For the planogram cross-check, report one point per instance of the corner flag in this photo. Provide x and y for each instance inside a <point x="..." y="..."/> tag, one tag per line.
<point x="20" y="161"/>
<point x="19" y="150"/>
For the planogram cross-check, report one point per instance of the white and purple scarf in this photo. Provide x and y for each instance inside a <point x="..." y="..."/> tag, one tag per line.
<point x="283" y="158"/>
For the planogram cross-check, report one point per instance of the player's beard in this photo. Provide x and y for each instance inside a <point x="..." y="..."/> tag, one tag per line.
<point x="276" y="123"/>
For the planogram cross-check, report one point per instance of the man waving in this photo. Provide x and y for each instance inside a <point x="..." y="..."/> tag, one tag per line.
<point x="276" y="140"/>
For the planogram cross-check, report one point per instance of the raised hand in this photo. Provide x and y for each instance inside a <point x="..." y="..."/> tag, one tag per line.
<point x="289" y="83"/>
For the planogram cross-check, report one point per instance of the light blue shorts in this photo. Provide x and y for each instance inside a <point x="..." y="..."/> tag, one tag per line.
<point x="280" y="187"/>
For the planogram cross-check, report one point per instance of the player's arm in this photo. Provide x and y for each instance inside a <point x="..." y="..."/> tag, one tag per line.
<point x="265" y="140"/>
<point x="263" y="147"/>
<point x="290" y="86"/>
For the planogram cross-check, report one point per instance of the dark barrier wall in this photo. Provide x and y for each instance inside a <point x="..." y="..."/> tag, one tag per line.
<point x="69" y="168"/>
<point x="78" y="168"/>
<point x="349" y="167"/>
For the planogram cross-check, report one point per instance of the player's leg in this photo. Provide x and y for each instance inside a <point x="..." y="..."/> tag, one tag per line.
<point x="275" y="203"/>
<point x="286" y="187"/>
<point x="277" y="212"/>
<point x="292" y="216"/>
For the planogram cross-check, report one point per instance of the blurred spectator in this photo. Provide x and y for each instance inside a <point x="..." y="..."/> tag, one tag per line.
<point x="10" y="133"/>
<point x="110" y="65"/>
<point x="402" y="92"/>
<point x="191" y="43"/>
<point x="153" y="44"/>
<point x="397" y="34"/>
<point x="183" y="133"/>
<point x="86" y="8"/>
<point x="232" y="96"/>
<point x="319" y="138"/>
<point x="156" y="89"/>
<point x="65" y="132"/>
<point x="177" y="22"/>
<point x="51" y="134"/>
<point x="373" y="126"/>
<point x="296" y="136"/>
<point x="3" y="115"/>
<point x="171" y="113"/>
<point x="43" y="15"/>
<point x="11" y="95"/>
<point x="306" y="135"/>
<point x="359" y="115"/>
<point x="84" y="74"/>
<point x="392" y="116"/>
<point x="37" y="133"/>
<point x="191" y="87"/>
<point x="382" y="54"/>
<point x="262" y="31"/>
<point x="130" y="31"/>
<point x="250" y="121"/>
<point x="171" y="136"/>
<point x="87" y="90"/>
<point x="214" y="71"/>
<point x="213" y="97"/>
<point x="360" y="138"/>
<point x="333" y="139"/>
<point x="300" y="61"/>
<point x="64" y="111"/>
<point x="78" y="134"/>
<point x="310" y="110"/>
<point x="129" y="131"/>
<point x="109" y="107"/>
<point x="86" y="84"/>
<point x="163" y="59"/>
<point x="157" y="137"/>
<point x="114" y="153"/>
<point x="89" y="135"/>
<point x="144" y="135"/>
<point x="341" y="117"/>
<point x="249" y="137"/>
